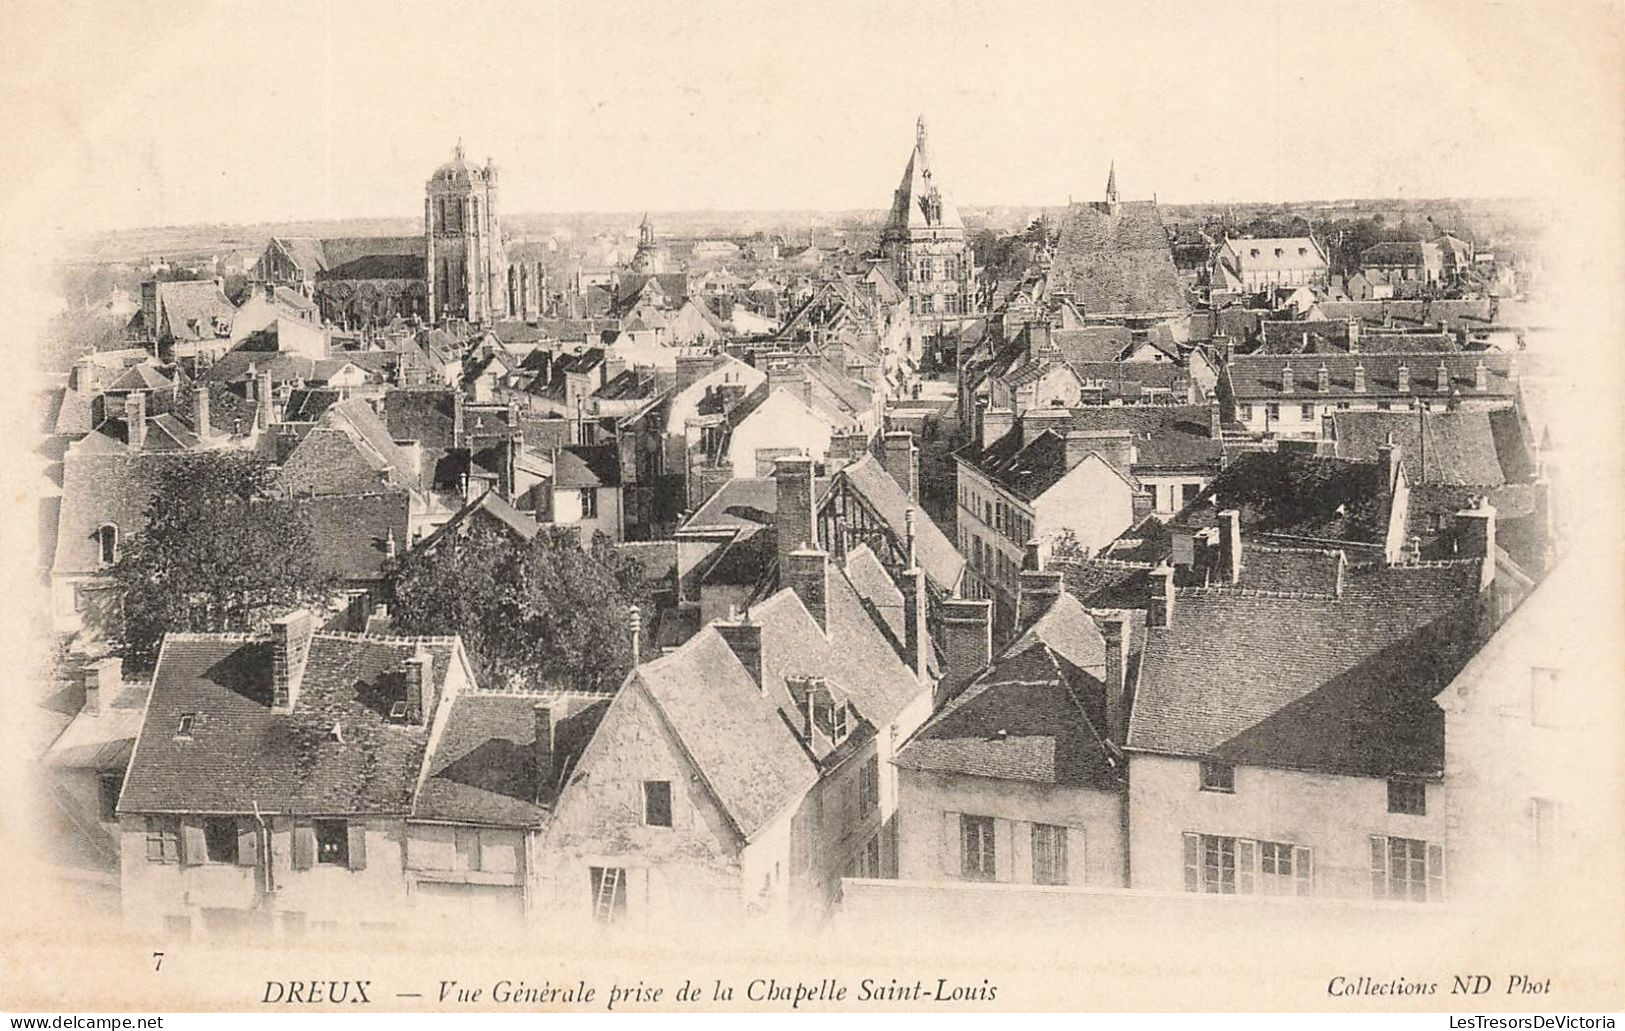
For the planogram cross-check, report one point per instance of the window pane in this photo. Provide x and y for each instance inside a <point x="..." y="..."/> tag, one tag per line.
<point x="332" y="842"/>
<point x="657" y="803"/>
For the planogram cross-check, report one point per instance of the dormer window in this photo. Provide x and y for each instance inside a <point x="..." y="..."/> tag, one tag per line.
<point x="107" y="544"/>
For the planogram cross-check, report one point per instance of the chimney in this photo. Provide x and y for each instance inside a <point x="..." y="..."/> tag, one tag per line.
<point x="1286" y="378"/>
<point x="1115" y="446"/>
<point x="1443" y="375"/>
<point x="1359" y="378"/>
<point x="793" y="518"/>
<point x="908" y="535"/>
<point x="458" y="427"/>
<point x="1182" y="541"/>
<point x="1215" y="423"/>
<point x="790" y="377"/>
<point x="1143" y="503"/>
<point x="1160" y="611"/>
<point x="902" y="459"/>
<point x="967" y="635"/>
<point x="263" y="416"/>
<point x="1230" y="546"/>
<point x="135" y="419"/>
<point x="541" y="751"/>
<point x="1038" y="589"/>
<point x="916" y="632"/>
<point x="1475" y="538"/>
<point x="807" y="573"/>
<point x="1114" y="631"/>
<point x="1387" y="314"/>
<point x="1388" y="458"/>
<point x="419" y="669"/>
<point x="996" y="422"/>
<point x="634" y="630"/>
<point x="745" y="638"/>
<point x="1323" y="379"/>
<point x="1404" y="384"/>
<point x="290" y="645"/>
<point x="1481" y="377"/>
<point x="84" y="373"/>
<point x="1354" y="335"/>
<point x="103" y="681"/>
<point x="200" y="412"/>
<point x="691" y="368"/>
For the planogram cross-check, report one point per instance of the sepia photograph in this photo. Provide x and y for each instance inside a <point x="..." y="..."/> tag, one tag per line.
<point x="892" y="507"/>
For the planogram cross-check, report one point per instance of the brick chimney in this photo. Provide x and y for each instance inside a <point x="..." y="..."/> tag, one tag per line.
<point x="1115" y="446"/>
<point x="1359" y="378"/>
<point x="967" y="635"/>
<point x="420" y="699"/>
<point x="1323" y="379"/>
<point x="901" y="458"/>
<point x="916" y="631"/>
<point x="1404" y="385"/>
<point x="541" y="751"/>
<point x="1114" y="632"/>
<point x="1215" y="422"/>
<point x="807" y="573"/>
<point x="995" y="423"/>
<point x="1287" y="384"/>
<point x="790" y="377"/>
<point x="793" y="519"/>
<point x="103" y="681"/>
<point x="1388" y="459"/>
<point x="1475" y="538"/>
<point x="745" y="638"/>
<point x="1230" y="546"/>
<point x="200" y="412"/>
<point x="1387" y="314"/>
<point x="1038" y="589"/>
<point x="263" y="393"/>
<point x="290" y="646"/>
<point x="1354" y="335"/>
<point x="135" y="419"/>
<point x="1481" y="377"/>
<point x="1160" y="604"/>
<point x="691" y="368"/>
<point x="1443" y="374"/>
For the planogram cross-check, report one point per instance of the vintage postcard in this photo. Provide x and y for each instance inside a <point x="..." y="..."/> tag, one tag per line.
<point x="891" y="506"/>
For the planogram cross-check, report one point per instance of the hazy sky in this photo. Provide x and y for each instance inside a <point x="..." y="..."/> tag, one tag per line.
<point x="187" y="112"/>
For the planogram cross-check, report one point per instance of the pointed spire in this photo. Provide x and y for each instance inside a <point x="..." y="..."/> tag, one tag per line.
<point x="459" y="151"/>
<point x="919" y="131"/>
<point x="1111" y="184"/>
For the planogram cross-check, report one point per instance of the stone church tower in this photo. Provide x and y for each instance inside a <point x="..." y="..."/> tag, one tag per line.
<point x="924" y="240"/>
<point x="466" y="266"/>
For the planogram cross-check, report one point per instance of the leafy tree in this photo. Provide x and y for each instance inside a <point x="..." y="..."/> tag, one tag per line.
<point x="548" y="612"/>
<point x="221" y="552"/>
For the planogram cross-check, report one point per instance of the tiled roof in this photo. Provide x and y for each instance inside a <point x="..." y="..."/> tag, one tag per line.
<point x="483" y="770"/>
<point x="1337" y="685"/>
<point x="1450" y="315"/>
<point x="935" y="553"/>
<point x="113" y="487"/>
<point x="1106" y="584"/>
<point x="241" y="753"/>
<point x="1031" y="716"/>
<point x="1116" y="261"/>
<point x="352" y="531"/>
<point x="1435" y="447"/>
<point x="101" y="740"/>
<point x="189" y="308"/>
<point x="1285" y="492"/>
<point x="588" y="465"/>
<point x="1326" y="336"/>
<point x="1260" y="377"/>
<point x="376" y="266"/>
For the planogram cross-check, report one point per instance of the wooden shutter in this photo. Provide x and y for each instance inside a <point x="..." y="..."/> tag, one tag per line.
<point x="1435" y="873"/>
<point x="248" y="841"/>
<point x="952" y="861"/>
<point x="1072" y="840"/>
<point x="304" y="846"/>
<point x="194" y="848"/>
<point x="357" y="844"/>
<point x="1246" y="865"/>
<point x="1379" y="867"/>
<point x="1193" y="862"/>
<point x="1003" y="852"/>
<point x="1303" y="869"/>
<point x="1021" y="853"/>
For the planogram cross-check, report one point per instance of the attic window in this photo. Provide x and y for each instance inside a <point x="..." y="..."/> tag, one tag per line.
<point x="1279" y="252"/>
<point x="1254" y="252"/>
<point x="184" y="728"/>
<point x="107" y="544"/>
<point x="397" y="711"/>
<point x="1302" y="251"/>
<point x="1218" y="776"/>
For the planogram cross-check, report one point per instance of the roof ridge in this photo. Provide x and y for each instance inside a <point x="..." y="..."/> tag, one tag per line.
<point x="1280" y="550"/>
<point x="1115" y="563"/>
<point x="222" y="635"/>
<point x="1253" y="592"/>
<point x="361" y="635"/>
<point x="1437" y="563"/>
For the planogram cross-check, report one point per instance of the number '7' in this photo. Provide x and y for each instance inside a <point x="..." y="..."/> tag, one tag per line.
<point x="158" y="958"/>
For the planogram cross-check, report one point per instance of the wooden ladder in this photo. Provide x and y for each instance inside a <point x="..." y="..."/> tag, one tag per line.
<point x="608" y="884"/>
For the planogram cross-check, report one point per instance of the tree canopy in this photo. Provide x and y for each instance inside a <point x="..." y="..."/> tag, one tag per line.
<point x="547" y="612"/>
<point x="220" y="552"/>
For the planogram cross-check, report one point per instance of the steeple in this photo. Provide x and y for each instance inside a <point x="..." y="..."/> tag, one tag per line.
<point x="919" y="132"/>
<point x="459" y="151"/>
<point x="1111" y="184"/>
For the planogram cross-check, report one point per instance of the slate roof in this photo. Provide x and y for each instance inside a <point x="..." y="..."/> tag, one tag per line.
<point x="936" y="554"/>
<point x="376" y="266"/>
<point x="1449" y="314"/>
<point x="1260" y="377"/>
<point x="587" y="465"/>
<point x="1033" y="715"/>
<point x="482" y="769"/>
<point x="241" y="753"/>
<point x="1106" y="583"/>
<point x="189" y="309"/>
<point x="1339" y="685"/>
<point x="1328" y="336"/>
<point x="1116" y="261"/>
<point x="113" y="487"/>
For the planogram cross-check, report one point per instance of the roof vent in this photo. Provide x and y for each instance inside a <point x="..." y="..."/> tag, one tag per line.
<point x="337" y="733"/>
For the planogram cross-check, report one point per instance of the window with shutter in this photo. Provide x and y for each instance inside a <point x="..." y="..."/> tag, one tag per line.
<point x="163" y="839"/>
<point x="1246" y="864"/>
<point x="194" y="844"/>
<point x="1435" y="891"/>
<point x="977" y="848"/>
<point x="1303" y="870"/>
<point x="1193" y="862"/>
<point x="1049" y="854"/>
<point x="248" y="843"/>
<point x="1379" y="867"/>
